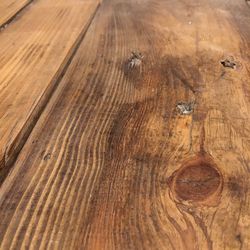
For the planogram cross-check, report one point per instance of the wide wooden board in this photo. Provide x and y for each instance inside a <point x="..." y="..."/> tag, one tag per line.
<point x="34" y="52"/>
<point x="115" y="163"/>
<point x="9" y="8"/>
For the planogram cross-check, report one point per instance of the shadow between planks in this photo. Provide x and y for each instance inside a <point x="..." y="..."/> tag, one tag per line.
<point x="112" y="163"/>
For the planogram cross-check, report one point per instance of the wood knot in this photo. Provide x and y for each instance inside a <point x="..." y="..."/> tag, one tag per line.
<point x="197" y="180"/>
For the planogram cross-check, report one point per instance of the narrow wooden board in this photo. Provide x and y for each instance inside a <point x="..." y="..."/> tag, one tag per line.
<point x="34" y="52"/>
<point x="113" y="162"/>
<point x="9" y="8"/>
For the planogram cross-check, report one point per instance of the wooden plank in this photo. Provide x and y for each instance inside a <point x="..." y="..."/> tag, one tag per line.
<point x="34" y="52"/>
<point x="9" y="8"/>
<point x="118" y="159"/>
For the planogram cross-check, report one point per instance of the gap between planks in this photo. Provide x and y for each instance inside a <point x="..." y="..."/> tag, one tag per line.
<point x="11" y="16"/>
<point x="7" y="162"/>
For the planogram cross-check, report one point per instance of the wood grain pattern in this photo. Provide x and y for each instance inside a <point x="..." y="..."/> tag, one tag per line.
<point x="113" y="163"/>
<point x="34" y="52"/>
<point x="9" y="8"/>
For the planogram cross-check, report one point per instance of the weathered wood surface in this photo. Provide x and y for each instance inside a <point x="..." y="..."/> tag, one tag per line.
<point x="34" y="51"/>
<point x="9" y="8"/>
<point x="112" y="163"/>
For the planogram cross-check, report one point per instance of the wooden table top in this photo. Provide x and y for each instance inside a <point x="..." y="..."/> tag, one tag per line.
<point x="125" y="124"/>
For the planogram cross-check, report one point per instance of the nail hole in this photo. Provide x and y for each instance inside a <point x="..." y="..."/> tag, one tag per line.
<point x="185" y="108"/>
<point x="47" y="157"/>
<point x="228" y="63"/>
<point x="135" y="60"/>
